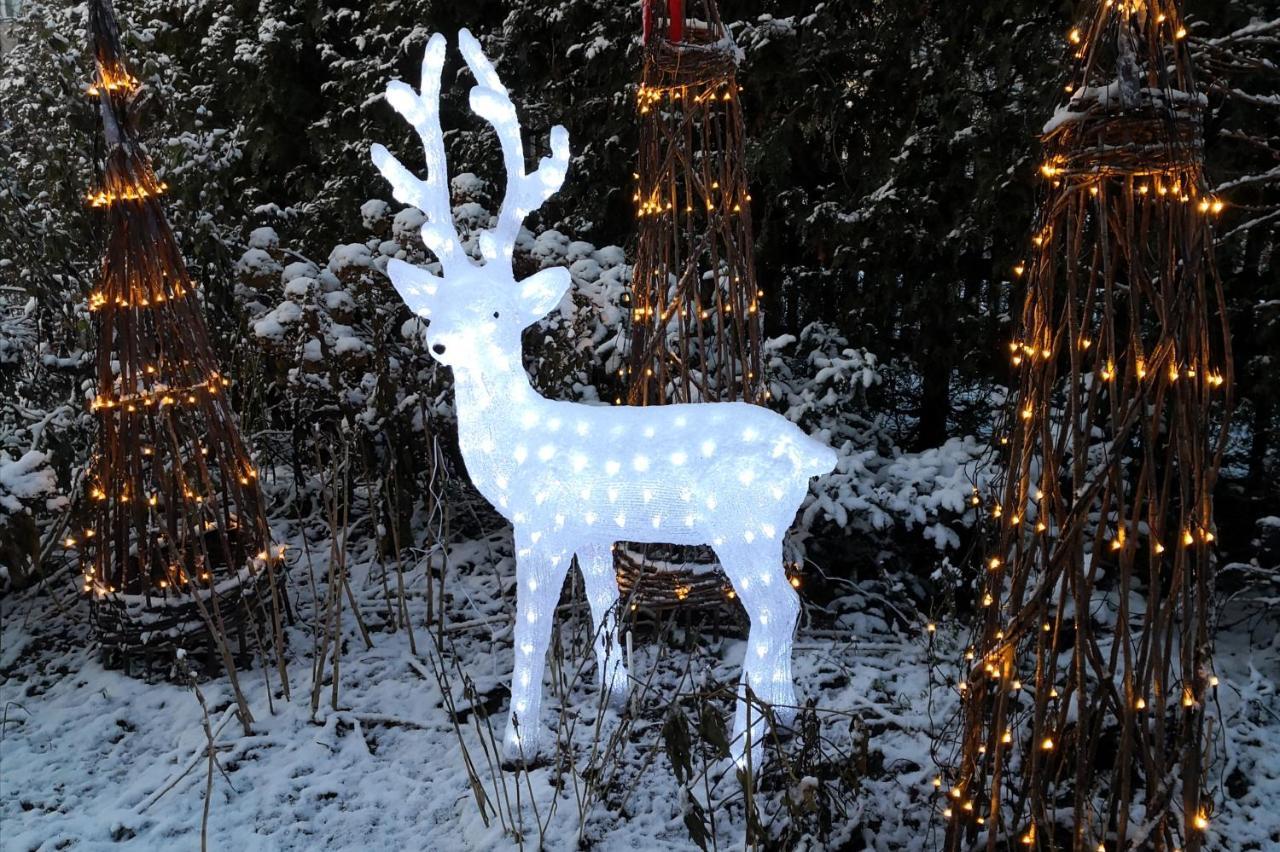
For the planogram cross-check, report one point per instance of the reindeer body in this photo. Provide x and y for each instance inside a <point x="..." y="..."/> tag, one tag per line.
<point x="574" y="479"/>
<point x="654" y="474"/>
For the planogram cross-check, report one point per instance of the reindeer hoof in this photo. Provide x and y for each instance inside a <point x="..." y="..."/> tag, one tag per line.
<point x="740" y="758"/>
<point x="784" y="714"/>
<point x="514" y="762"/>
<point x="517" y="754"/>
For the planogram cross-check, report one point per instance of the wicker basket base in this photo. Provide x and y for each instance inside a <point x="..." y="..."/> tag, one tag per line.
<point x="143" y="635"/>
<point x="662" y="577"/>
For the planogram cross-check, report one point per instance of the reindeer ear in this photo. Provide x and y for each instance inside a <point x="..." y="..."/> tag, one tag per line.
<point x="543" y="290"/>
<point x="414" y="284"/>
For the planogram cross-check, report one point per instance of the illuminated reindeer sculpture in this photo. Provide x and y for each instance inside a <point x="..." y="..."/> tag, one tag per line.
<point x="574" y="479"/>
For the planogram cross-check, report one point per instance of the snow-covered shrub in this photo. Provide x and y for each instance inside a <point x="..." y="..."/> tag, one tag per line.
<point x="823" y="386"/>
<point x="27" y="485"/>
<point x="343" y="356"/>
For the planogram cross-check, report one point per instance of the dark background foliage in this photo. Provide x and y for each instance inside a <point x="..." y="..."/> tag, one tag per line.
<point x="892" y="145"/>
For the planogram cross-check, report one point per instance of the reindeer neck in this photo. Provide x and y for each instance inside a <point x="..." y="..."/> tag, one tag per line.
<point x="489" y="402"/>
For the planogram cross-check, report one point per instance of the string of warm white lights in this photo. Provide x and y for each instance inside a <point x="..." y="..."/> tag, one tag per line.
<point x="176" y="549"/>
<point x="1111" y="451"/>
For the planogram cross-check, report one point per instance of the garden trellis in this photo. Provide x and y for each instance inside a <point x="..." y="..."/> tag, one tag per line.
<point x="695" y="322"/>
<point x="177" y="552"/>
<point x="1086" y="689"/>
<point x="695" y="318"/>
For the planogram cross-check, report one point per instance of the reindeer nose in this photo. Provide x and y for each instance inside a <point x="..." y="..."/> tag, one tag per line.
<point x="438" y="349"/>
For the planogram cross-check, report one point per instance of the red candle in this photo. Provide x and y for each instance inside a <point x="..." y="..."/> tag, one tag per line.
<point x="675" y="10"/>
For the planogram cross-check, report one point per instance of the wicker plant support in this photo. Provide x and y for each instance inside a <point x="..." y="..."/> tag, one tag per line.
<point x="178" y="554"/>
<point x="695" y="323"/>
<point x="695" y="319"/>
<point x="1087" y="685"/>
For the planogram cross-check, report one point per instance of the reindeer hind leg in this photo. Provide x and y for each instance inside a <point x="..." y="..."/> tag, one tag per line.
<point x="756" y="571"/>
<point x="601" y="584"/>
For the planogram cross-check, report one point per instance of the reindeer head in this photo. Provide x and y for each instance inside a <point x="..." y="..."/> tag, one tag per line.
<point x="475" y="310"/>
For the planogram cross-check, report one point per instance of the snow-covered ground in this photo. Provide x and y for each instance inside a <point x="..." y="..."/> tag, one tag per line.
<point x="90" y="757"/>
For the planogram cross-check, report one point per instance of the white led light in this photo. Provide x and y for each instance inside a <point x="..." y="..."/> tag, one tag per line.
<point x="544" y="477"/>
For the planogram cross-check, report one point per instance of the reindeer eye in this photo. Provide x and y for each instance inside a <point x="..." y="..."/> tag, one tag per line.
<point x="495" y="314"/>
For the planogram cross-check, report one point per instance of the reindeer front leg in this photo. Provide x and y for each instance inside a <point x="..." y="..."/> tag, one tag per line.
<point x="757" y="573"/>
<point x="540" y="572"/>
<point x="601" y="584"/>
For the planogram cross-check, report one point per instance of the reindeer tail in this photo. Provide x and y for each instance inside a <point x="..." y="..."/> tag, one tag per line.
<point x="811" y="456"/>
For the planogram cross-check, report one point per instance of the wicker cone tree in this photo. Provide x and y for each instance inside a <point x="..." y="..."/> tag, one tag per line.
<point x="695" y="320"/>
<point x="1084" y="694"/>
<point x="696" y="330"/>
<point x="178" y="555"/>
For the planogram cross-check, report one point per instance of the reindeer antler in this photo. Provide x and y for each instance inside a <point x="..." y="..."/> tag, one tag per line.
<point x="431" y="196"/>
<point x="525" y="192"/>
<point x="491" y="101"/>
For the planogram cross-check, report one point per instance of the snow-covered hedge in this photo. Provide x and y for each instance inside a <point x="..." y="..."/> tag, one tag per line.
<point x="819" y="382"/>
<point x="341" y="341"/>
<point x="28" y="486"/>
